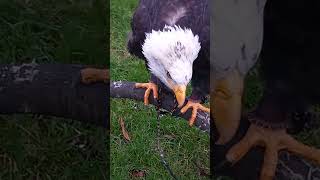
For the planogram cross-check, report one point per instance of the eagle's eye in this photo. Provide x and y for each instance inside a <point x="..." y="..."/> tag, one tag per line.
<point x="168" y="74"/>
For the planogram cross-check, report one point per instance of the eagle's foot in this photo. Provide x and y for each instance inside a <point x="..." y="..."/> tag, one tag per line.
<point x="150" y="87"/>
<point x="273" y="141"/>
<point x="91" y="75"/>
<point x="195" y="106"/>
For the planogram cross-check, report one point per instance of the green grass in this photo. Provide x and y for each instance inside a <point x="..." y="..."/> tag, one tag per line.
<point x="49" y="31"/>
<point x="183" y="146"/>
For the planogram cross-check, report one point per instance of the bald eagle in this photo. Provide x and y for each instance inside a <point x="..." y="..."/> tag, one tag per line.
<point x="173" y="38"/>
<point x="289" y="68"/>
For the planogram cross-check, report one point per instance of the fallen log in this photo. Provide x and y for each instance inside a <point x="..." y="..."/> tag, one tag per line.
<point x="53" y="89"/>
<point x="123" y="89"/>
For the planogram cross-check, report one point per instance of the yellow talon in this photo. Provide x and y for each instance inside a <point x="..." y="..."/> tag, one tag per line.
<point x="150" y="87"/>
<point x="195" y="106"/>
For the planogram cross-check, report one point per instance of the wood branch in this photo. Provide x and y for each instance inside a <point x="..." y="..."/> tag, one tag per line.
<point x="123" y="89"/>
<point x="289" y="167"/>
<point x="52" y="89"/>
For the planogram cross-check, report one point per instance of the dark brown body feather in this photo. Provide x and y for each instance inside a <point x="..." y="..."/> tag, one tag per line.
<point x="290" y="63"/>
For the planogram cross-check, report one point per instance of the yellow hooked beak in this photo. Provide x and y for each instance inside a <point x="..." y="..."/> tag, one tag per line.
<point x="180" y="93"/>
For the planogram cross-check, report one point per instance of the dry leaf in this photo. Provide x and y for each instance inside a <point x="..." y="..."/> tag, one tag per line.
<point x="170" y="136"/>
<point x="138" y="173"/>
<point x="124" y="131"/>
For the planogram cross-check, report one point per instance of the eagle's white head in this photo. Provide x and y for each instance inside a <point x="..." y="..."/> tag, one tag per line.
<point x="170" y="54"/>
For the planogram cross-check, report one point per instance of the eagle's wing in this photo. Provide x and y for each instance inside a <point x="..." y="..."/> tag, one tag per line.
<point x="139" y="25"/>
